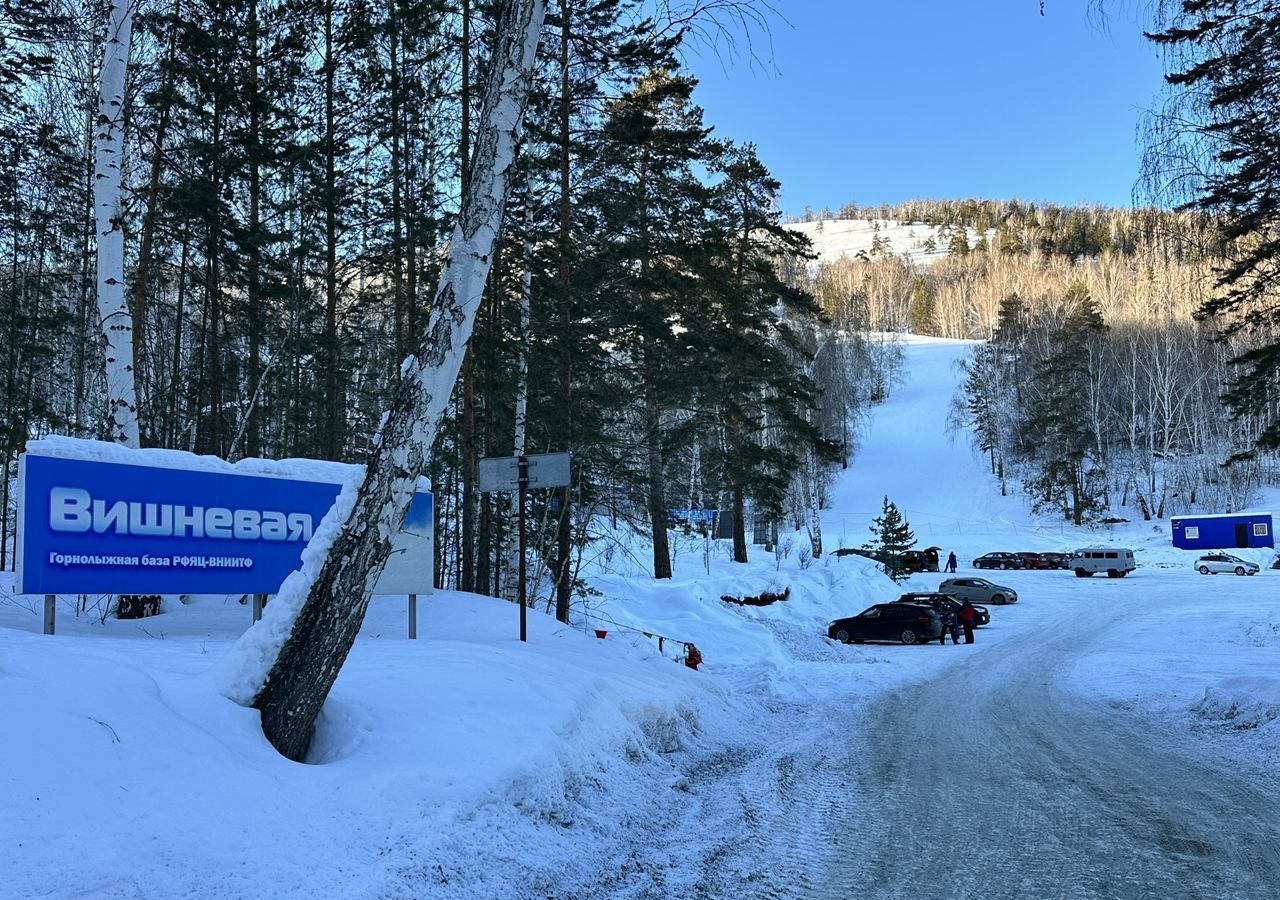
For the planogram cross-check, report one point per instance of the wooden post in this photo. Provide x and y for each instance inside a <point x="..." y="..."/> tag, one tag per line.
<point x="50" y="606"/>
<point x="413" y="617"/>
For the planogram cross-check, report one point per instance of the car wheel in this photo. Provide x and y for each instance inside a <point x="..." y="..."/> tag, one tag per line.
<point x="843" y="636"/>
<point x="1239" y="570"/>
<point x="998" y="599"/>
<point x="1004" y="565"/>
<point x="1081" y="573"/>
<point x="1112" y="573"/>
<point x="908" y="636"/>
<point x="1204" y="570"/>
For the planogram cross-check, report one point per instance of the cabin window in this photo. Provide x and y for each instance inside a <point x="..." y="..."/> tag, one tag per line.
<point x="1260" y="529"/>
<point x="1192" y="532"/>
<point x="1113" y="556"/>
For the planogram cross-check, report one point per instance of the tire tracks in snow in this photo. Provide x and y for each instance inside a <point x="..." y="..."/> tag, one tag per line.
<point x="986" y="780"/>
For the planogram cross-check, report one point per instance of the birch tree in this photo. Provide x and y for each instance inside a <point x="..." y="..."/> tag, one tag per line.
<point x="108" y="151"/>
<point x="320" y="608"/>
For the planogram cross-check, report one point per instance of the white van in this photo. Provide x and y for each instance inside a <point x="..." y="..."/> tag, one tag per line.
<point x="1117" y="562"/>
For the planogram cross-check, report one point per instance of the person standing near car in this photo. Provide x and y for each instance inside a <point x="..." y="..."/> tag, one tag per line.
<point x="966" y="617"/>
<point x="948" y="617"/>
<point x="951" y="562"/>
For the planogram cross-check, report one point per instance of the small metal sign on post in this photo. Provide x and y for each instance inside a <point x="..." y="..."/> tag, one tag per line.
<point x="519" y="473"/>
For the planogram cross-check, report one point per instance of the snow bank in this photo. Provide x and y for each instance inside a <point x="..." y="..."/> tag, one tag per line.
<point x="1244" y="702"/>
<point x="124" y="776"/>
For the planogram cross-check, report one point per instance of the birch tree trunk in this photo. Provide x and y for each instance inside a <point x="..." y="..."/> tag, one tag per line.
<point x="108" y="152"/>
<point x="522" y="399"/>
<point x="327" y="604"/>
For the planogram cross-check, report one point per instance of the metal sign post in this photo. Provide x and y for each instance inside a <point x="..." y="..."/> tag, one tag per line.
<point x="522" y="481"/>
<point x="50" y="607"/>
<point x="413" y="617"/>
<point x="519" y="473"/>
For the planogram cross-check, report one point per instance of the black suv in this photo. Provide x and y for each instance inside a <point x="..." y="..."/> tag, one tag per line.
<point x="904" y="622"/>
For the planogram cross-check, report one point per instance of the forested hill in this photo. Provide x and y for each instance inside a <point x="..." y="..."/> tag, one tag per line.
<point x="1099" y="389"/>
<point x="1016" y="226"/>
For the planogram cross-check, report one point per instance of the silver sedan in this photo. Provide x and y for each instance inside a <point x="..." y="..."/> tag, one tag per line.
<point x="1215" y="563"/>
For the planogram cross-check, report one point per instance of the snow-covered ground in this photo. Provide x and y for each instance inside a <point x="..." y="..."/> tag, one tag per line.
<point x="922" y="244"/>
<point x="1108" y="738"/>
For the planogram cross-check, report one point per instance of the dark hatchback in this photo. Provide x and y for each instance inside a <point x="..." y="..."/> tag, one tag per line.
<point x="981" y="616"/>
<point x="1059" y="560"/>
<point x="1036" y="561"/>
<point x="998" y="561"/>
<point x="905" y="623"/>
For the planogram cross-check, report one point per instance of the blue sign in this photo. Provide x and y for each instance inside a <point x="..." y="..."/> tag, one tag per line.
<point x="98" y="527"/>
<point x="692" y="516"/>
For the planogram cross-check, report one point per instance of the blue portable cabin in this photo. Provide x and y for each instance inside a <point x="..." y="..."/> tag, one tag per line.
<point x="1223" y="532"/>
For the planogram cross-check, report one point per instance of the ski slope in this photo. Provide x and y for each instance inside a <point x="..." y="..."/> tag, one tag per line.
<point x="942" y="489"/>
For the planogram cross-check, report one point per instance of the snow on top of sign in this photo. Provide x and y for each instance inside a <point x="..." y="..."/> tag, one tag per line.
<point x="103" y="451"/>
<point x="325" y="471"/>
<point x="1234" y="515"/>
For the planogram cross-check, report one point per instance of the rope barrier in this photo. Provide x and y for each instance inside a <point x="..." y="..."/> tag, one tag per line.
<point x="692" y="657"/>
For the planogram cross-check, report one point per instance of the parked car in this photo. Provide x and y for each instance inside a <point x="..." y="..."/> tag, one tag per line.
<point x="1216" y="563"/>
<point x="978" y="590"/>
<point x="1034" y="561"/>
<point x="997" y="561"/>
<point x="907" y="623"/>
<point x="981" y="615"/>
<point x="925" y="560"/>
<point x="1117" y="562"/>
<point x="1059" y="560"/>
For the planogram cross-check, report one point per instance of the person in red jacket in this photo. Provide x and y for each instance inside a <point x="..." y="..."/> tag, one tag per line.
<point x="967" y="617"/>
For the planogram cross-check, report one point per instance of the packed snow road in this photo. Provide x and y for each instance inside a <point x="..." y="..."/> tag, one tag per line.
<point x="994" y="781"/>
<point x="1008" y="769"/>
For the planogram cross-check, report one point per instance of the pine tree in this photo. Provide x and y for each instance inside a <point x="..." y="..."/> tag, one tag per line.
<point x="647" y="244"/>
<point x="749" y="340"/>
<point x="1059" y="438"/>
<point x="1222" y="124"/>
<point x="891" y="538"/>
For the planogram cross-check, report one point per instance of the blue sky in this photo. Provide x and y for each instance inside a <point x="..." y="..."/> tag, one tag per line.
<point x="882" y="102"/>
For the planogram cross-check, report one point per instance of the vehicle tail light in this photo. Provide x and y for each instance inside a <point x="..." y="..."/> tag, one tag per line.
<point x="923" y="619"/>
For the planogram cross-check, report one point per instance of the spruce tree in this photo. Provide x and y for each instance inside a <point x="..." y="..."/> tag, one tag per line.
<point x="920" y="310"/>
<point x="891" y="538"/>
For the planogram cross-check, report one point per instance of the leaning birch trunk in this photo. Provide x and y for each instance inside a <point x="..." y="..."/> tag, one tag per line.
<point x="108" y="153"/>
<point x="316" y="642"/>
